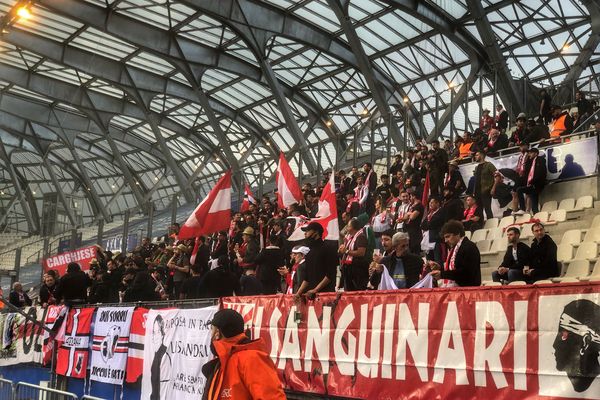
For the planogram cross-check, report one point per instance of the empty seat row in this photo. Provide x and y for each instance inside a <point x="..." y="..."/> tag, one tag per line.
<point x="569" y="204"/>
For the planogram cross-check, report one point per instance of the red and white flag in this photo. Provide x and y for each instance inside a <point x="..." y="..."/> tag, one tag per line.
<point x="213" y="214"/>
<point x="288" y="190"/>
<point x="327" y="215"/>
<point x="248" y="199"/>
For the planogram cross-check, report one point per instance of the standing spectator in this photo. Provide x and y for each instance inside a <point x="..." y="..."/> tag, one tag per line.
<point x="463" y="264"/>
<point x="432" y="223"/>
<point x="517" y="256"/>
<point x="100" y="290"/>
<point x="249" y="284"/>
<point x="503" y="194"/>
<point x="448" y="148"/>
<point x="247" y="252"/>
<point x="269" y="261"/>
<point x="486" y="122"/>
<point x="501" y="118"/>
<point x="402" y="210"/>
<point x="520" y="132"/>
<point x="543" y="256"/>
<point x="438" y="168"/>
<point x="355" y="265"/>
<point x="583" y="105"/>
<point x="47" y="290"/>
<point x="18" y="297"/>
<point x="545" y="106"/>
<point x="179" y="264"/>
<point x="453" y="181"/>
<point x="361" y="194"/>
<point x="535" y="180"/>
<point x="452" y="207"/>
<point x="72" y="287"/>
<point x="473" y="215"/>
<point x="321" y="262"/>
<point x="190" y="287"/>
<point x="562" y="123"/>
<point x="396" y="166"/>
<point x="147" y="248"/>
<point x="403" y="267"/>
<point x="219" y="246"/>
<point x="484" y="180"/>
<point x="202" y="255"/>
<point x="412" y="223"/>
<point x="384" y="191"/>
<point x="293" y="279"/>
<point x="382" y="219"/>
<point x="219" y="282"/>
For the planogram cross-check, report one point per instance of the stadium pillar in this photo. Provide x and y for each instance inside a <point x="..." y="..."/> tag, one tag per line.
<point x="100" y="232"/>
<point x="73" y="241"/>
<point x="17" y="263"/>
<point x="467" y="106"/>
<point x="174" y="209"/>
<point x="452" y="114"/>
<point x="260" y="180"/>
<point x="125" y="232"/>
<point x="319" y="153"/>
<point x="150" y="220"/>
<point x="495" y="90"/>
<point x="355" y="147"/>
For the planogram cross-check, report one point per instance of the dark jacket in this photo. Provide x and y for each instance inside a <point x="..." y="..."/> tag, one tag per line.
<point x="202" y="257"/>
<point x="46" y="293"/>
<point x="500" y="144"/>
<point x="250" y="286"/>
<point x="453" y="209"/>
<point x="15" y="300"/>
<point x="543" y="258"/>
<point x="100" y="293"/>
<point x="412" y="268"/>
<point x="467" y="265"/>
<point x="321" y="261"/>
<point x="219" y="282"/>
<point x="539" y="174"/>
<point x="523" y="257"/>
<point x="268" y="260"/>
<point x="73" y="286"/>
<point x="434" y="226"/>
<point x="142" y="288"/>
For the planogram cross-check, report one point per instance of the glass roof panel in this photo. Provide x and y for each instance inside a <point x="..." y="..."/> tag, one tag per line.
<point x="101" y="43"/>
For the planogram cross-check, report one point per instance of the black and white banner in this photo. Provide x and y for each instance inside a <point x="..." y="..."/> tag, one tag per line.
<point x="21" y="340"/>
<point x="177" y="346"/>
<point x="110" y="345"/>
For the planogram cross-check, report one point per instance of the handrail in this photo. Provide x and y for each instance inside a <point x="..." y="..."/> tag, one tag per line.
<point x="44" y="389"/>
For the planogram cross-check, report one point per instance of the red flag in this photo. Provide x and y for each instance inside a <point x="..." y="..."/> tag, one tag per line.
<point x="248" y="199"/>
<point x="195" y="251"/>
<point x="327" y="215"/>
<point x="213" y="214"/>
<point x="288" y="191"/>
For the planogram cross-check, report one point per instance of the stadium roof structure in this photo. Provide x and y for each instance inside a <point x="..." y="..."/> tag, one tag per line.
<point x="130" y="102"/>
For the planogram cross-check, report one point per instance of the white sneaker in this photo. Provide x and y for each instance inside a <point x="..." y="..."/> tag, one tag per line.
<point x="518" y="212"/>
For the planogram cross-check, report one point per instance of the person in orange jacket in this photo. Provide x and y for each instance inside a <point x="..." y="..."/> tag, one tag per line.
<point x="242" y="369"/>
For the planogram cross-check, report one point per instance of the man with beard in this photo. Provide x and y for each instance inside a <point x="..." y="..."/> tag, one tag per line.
<point x="403" y="267"/>
<point x="484" y="180"/>
<point x="321" y="262"/>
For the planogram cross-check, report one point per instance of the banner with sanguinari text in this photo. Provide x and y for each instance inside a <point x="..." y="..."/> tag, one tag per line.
<point x="525" y="342"/>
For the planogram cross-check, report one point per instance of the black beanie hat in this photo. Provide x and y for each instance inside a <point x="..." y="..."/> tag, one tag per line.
<point x="229" y="322"/>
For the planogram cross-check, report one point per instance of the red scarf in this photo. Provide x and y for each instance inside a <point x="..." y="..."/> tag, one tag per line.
<point x="450" y="265"/>
<point x="521" y="164"/>
<point x="349" y="242"/>
<point x="531" y="172"/>
<point x="431" y="214"/>
<point x="469" y="212"/>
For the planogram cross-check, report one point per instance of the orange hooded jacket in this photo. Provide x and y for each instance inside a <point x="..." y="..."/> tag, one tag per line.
<point x="242" y="370"/>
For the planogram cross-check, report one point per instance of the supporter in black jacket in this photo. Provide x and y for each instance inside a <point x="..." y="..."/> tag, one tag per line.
<point x="269" y="260"/>
<point x="321" y="262"/>
<point x="142" y="287"/>
<point x="534" y="180"/>
<point x="202" y="256"/>
<point x="452" y="207"/>
<point x="219" y="247"/>
<point x="432" y="223"/>
<point x="47" y="291"/>
<point x="100" y="291"/>
<point x="462" y="269"/>
<point x="543" y="256"/>
<point x="411" y="263"/>
<point x="517" y="256"/>
<point x="72" y="287"/>
<point x="18" y="297"/>
<point x="219" y="282"/>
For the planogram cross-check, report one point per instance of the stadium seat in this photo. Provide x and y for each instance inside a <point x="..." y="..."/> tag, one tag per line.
<point x="569" y="280"/>
<point x="491" y="223"/>
<point x="506" y="221"/>
<point x="557" y="216"/>
<point x="550" y="206"/>
<point x="484" y="245"/>
<point x="497" y="246"/>
<point x="526" y="232"/>
<point x="595" y="275"/>
<point x="572" y="236"/>
<point x="490" y="283"/>
<point x="564" y="252"/>
<point x="543" y="216"/>
<point x="496" y="233"/>
<point x="596" y="221"/>
<point x="542" y="282"/>
<point x="468" y="234"/>
<point x="576" y="269"/>
<point x="478" y="235"/>
<point x="584" y="202"/>
<point x="522" y="219"/>
<point x="588" y="251"/>
<point x="517" y="283"/>
<point x="592" y="235"/>
<point x="567" y="204"/>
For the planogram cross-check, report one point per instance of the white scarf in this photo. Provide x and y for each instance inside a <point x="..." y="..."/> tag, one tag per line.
<point x="449" y="265"/>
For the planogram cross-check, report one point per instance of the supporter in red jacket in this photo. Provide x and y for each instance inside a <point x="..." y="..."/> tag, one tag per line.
<point x="242" y="369"/>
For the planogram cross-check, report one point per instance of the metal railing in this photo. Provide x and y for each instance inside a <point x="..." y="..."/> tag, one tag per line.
<point x="6" y="388"/>
<point x="27" y="391"/>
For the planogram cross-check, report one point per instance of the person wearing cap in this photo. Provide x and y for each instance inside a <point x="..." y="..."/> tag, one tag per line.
<point x="486" y="122"/>
<point x="321" y="262"/>
<point x="179" y="264"/>
<point x="535" y="180"/>
<point x="247" y="252"/>
<point x="242" y="368"/>
<point x="501" y="118"/>
<point x="293" y="279"/>
<point x="562" y="123"/>
<point x="520" y="132"/>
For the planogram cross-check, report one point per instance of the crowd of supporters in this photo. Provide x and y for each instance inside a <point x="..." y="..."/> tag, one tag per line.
<point x="409" y="222"/>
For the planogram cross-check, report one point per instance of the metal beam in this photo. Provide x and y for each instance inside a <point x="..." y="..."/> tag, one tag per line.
<point x="11" y="203"/>
<point x="507" y="89"/>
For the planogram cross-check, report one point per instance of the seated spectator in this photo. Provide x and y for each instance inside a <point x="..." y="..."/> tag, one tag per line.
<point x="72" y="287"/>
<point x="403" y="267"/>
<point x="473" y="215"/>
<point x="463" y="264"/>
<point x="219" y="282"/>
<point x="47" y="290"/>
<point x="562" y="123"/>
<point x="575" y="116"/>
<point x="521" y="131"/>
<point x="543" y="264"/>
<point x="498" y="141"/>
<point x="517" y="256"/>
<point x="583" y="105"/>
<point x="455" y="155"/>
<point x="18" y="297"/>
<point x="294" y="278"/>
<point x="537" y="130"/>
<point x="536" y="180"/>
<point x="465" y="146"/>
<point x="355" y="266"/>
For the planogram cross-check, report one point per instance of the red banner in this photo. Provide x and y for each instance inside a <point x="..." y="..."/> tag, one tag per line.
<point x="81" y="256"/>
<point x="523" y="342"/>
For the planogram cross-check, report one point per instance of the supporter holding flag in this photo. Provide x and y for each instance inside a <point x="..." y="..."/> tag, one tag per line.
<point x="288" y="190"/>
<point x="248" y="199"/>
